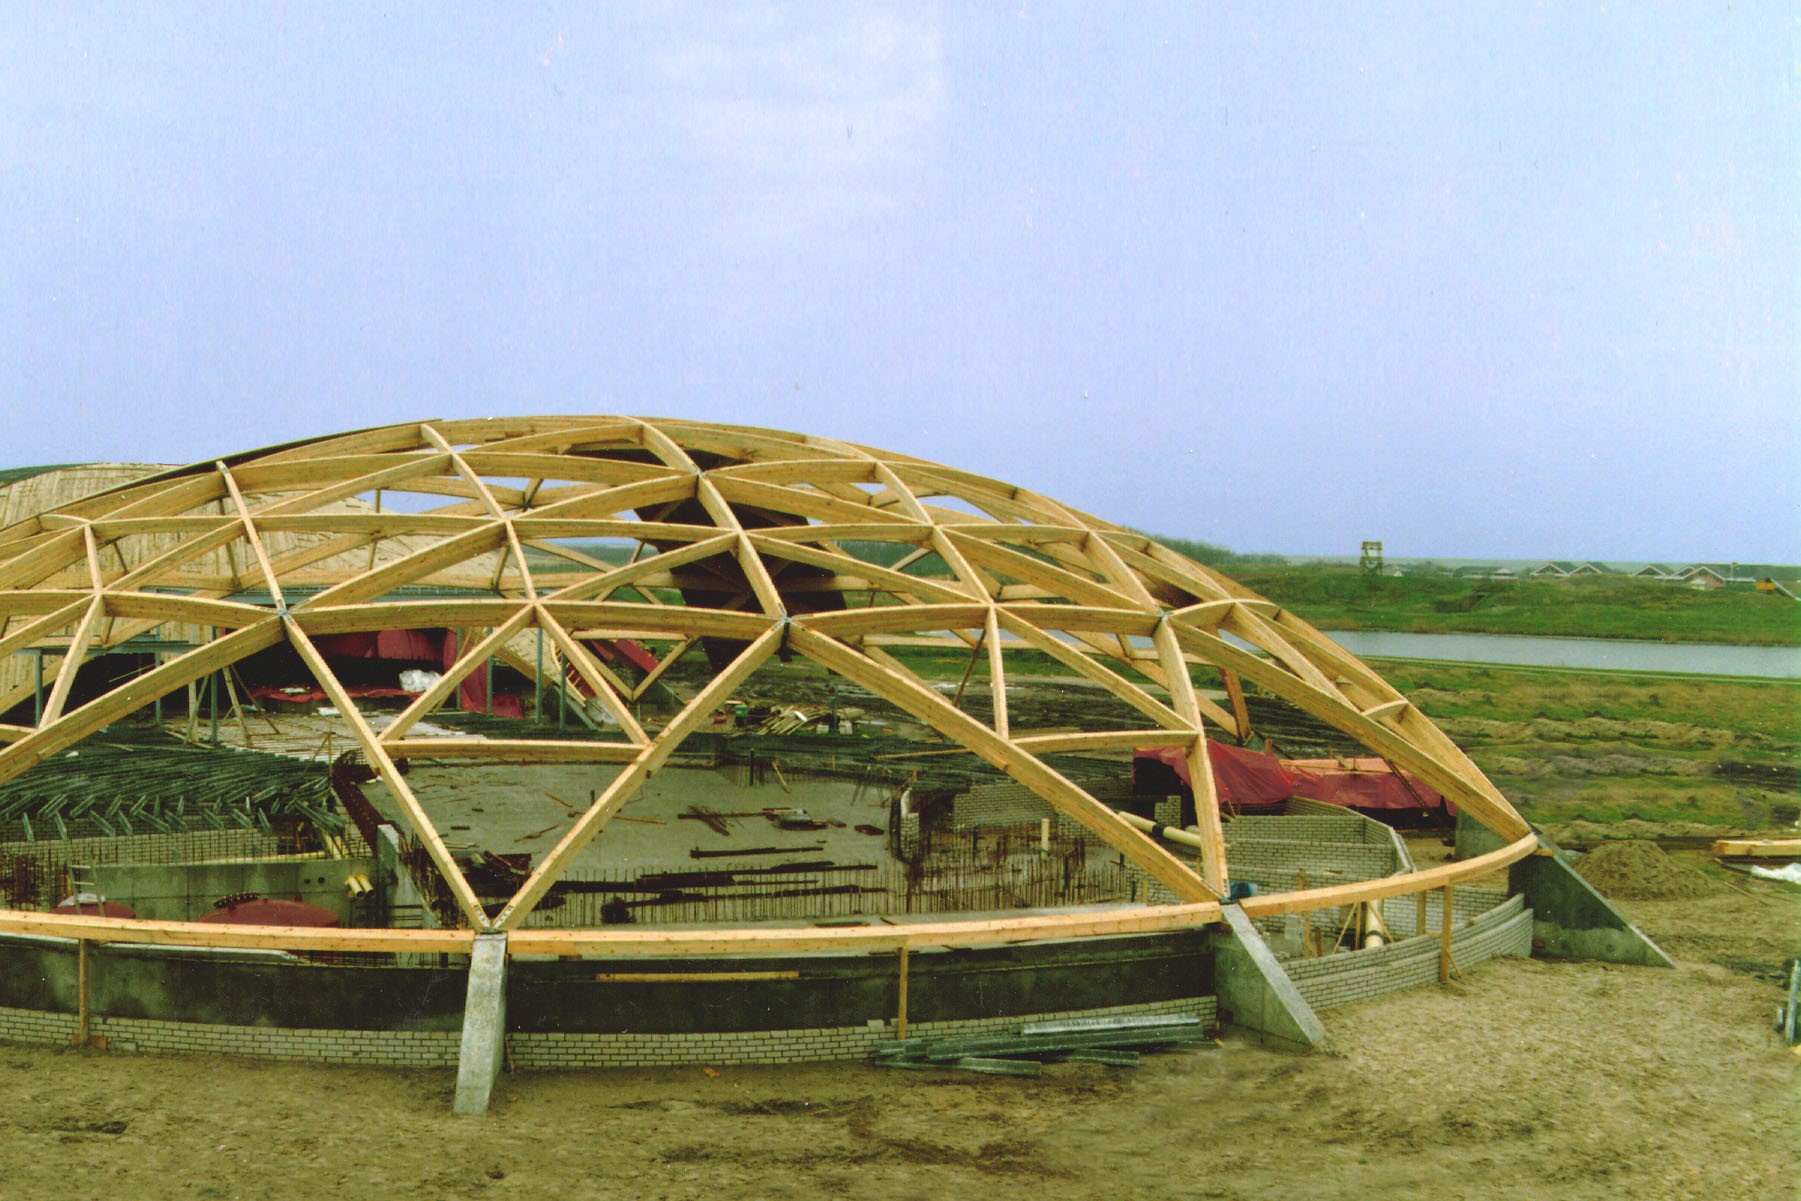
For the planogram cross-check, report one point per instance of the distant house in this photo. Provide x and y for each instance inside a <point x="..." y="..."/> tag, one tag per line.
<point x="1702" y="576"/>
<point x="1658" y="571"/>
<point x="1563" y="569"/>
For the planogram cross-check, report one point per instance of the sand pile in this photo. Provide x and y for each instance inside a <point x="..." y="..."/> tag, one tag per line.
<point x="1640" y="871"/>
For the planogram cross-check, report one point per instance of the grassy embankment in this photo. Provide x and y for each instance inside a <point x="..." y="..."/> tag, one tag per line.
<point x="1343" y="598"/>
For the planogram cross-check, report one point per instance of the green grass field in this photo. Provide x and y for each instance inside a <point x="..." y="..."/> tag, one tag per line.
<point x="1587" y="607"/>
<point x="1604" y="747"/>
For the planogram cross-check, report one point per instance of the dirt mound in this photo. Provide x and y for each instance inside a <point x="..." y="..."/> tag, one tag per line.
<point x="1640" y="871"/>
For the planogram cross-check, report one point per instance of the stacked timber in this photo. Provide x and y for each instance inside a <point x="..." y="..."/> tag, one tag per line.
<point x="1115" y="1041"/>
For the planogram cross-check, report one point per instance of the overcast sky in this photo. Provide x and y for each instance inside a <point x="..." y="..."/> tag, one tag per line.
<point x="1513" y="280"/>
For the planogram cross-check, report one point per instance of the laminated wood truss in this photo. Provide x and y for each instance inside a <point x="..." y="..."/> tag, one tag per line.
<point x="535" y="537"/>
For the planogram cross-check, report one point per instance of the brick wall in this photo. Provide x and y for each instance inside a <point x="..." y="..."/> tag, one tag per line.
<point x="788" y="1046"/>
<point x="1351" y="976"/>
<point x="438" y="1048"/>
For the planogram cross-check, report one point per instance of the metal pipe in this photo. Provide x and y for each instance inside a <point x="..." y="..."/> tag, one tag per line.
<point x="1172" y="833"/>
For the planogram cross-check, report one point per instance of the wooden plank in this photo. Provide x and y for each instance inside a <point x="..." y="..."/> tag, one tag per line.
<point x="787" y="471"/>
<point x="1385" y="709"/>
<point x="1757" y="848"/>
<point x="159" y="608"/>
<point x="575" y="468"/>
<point x="512" y="750"/>
<point x="610" y="502"/>
<point x="900" y="1017"/>
<point x="936" y="591"/>
<point x="1445" y="923"/>
<point x="667" y="621"/>
<point x="910" y="619"/>
<point x="660" y="444"/>
<point x="692" y="977"/>
<point x="691" y="941"/>
<point x="614" y="433"/>
<point x="997" y="673"/>
<point x="411" y="567"/>
<point x="598" y="586"/>
<point x="299" y="939"/>
<point x="1056" y="580"/>
<point x="29" y="633"/>
<point x="819" y="506"/>
<point x="331" y="485"/>
<point x="1241" y="714"/>
<point x="1104" y="740"/>
<point x="73" y="658"/>
<point x="1200" y="766"/>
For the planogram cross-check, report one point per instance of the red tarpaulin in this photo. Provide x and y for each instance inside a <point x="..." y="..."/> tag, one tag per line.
<point x="270" y="911"/>
<point x="609" y="650"/>
<point x="90" y="906"/>
<point x="1252" y="779"/>
<point x="421" y="646"/>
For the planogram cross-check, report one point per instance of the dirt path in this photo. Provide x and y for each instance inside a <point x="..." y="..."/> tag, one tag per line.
<point x="1529" y="1079"/>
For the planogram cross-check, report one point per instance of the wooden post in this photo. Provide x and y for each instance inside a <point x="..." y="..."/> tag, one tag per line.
<point x="1300" y="885"/>
<point x="82" y="1013"/>
<point x="1444" y="938"/>
<point x="1419" y="916"/>
<point x="900" y="1017"/>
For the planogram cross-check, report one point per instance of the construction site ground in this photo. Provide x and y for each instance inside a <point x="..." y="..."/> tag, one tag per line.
<point x="1527" y="1079"/>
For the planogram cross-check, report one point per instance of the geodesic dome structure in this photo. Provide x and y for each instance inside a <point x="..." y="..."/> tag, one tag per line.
<point x="740" y="544"/>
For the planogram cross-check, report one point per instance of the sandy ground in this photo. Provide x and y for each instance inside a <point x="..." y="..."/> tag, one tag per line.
<point x="1527" y="1079"/>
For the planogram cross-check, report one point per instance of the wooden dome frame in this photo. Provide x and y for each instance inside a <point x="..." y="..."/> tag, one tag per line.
<point x="751" y="520"/>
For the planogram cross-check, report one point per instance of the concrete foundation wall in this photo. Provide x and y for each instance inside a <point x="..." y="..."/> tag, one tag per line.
<point x="186" y="892"/>
<point x="564" y="1013"/>
<point x="795" y="1045"/>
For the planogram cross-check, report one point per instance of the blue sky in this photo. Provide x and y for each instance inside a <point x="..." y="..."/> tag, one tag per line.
<point x="1478" y="280"/>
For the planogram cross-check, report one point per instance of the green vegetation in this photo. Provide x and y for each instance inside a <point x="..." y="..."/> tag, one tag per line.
<point x="1577" y="746"/>
<point x="1343" y="598"/>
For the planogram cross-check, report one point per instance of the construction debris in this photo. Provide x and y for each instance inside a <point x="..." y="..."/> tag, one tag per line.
<point x="1112" y="1041"/>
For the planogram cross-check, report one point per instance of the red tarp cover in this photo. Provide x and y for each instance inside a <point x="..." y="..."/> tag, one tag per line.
<point x="609" y="650"/>
<point x="420" y="646"/>
<point x="1252" y="779"/>
<point x="270" y="911"/>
